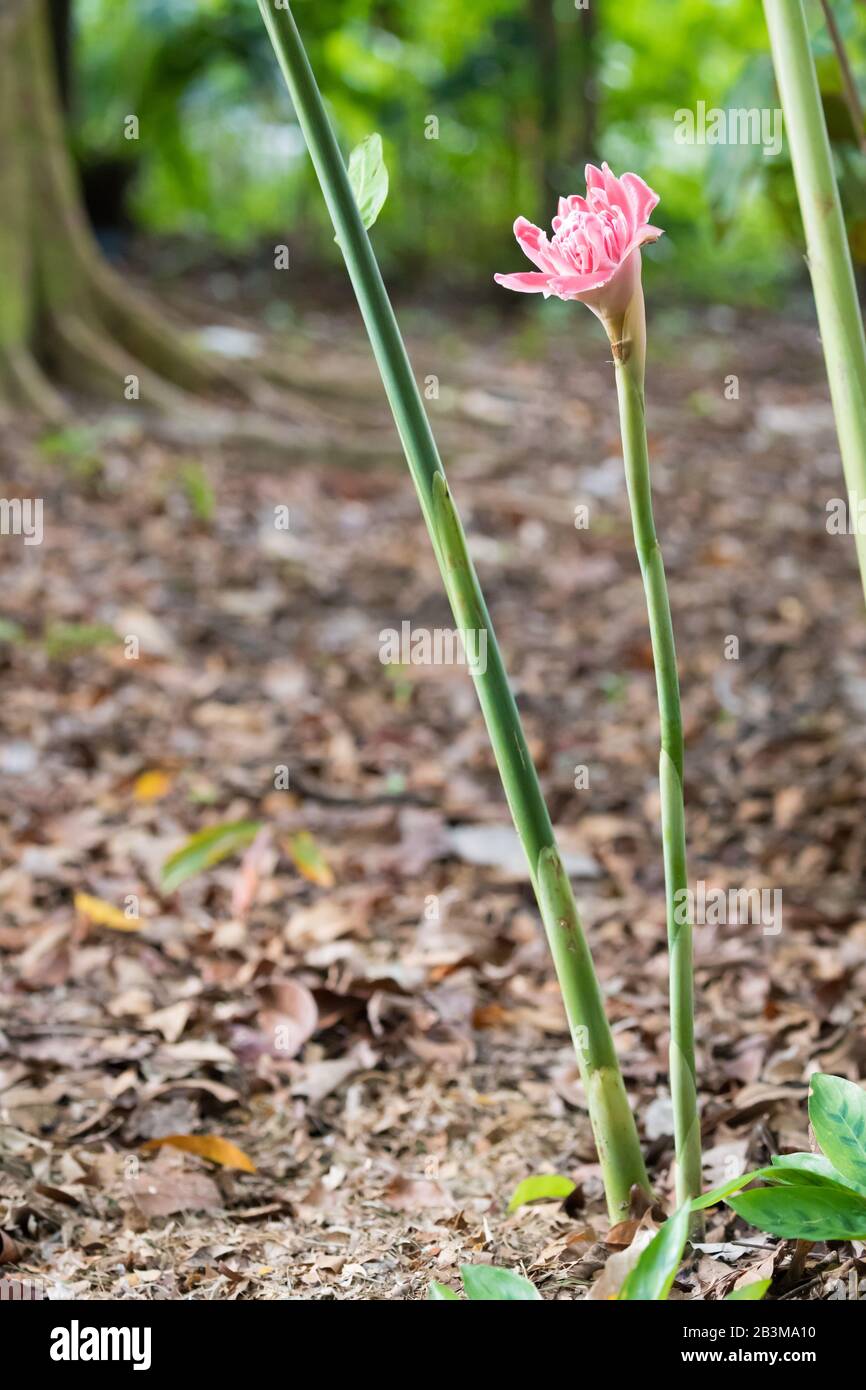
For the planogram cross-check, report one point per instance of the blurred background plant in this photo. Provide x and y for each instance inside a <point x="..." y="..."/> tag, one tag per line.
<point x="486" y="110"/>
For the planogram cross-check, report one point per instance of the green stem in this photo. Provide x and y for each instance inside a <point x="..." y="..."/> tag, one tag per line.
<point x="629" y="348"/>
<point x="829" y="256"/>
<point x="613" y="1123"/>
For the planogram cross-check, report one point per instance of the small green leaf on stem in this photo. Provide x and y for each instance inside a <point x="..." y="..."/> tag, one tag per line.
<point x="368" y="176"/>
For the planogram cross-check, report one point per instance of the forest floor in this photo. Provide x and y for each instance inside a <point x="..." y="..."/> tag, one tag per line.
<point x="368" y="1012"/>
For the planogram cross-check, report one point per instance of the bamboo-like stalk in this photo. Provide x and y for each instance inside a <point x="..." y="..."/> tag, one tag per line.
<point x="849" y="84"/>
<point x="612" y="1120"/>
<point x="630" y="358"/>
<point x="829" y="256"/>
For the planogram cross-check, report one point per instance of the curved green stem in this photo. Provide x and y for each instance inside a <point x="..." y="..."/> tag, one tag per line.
<point x="629" y="350"/>
<point x="829" y="256"/>
<point x="612" y="1120"/>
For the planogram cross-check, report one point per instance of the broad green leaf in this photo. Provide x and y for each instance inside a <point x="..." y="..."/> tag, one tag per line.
<point x="484" y="1283"/>
<point x="440" y="1293"/>
<point x="369" y="178"/>
<point x="804" y="1213"/>
<point x="813" y="1165"/>
<point x="749" y="1292"/>
<point x="783" y="1171"/>
<point x="837" y="1111"/>
<point x="205" y="849"/>
<point x="542" y="1187"/>
<point x="652" y="1276"/>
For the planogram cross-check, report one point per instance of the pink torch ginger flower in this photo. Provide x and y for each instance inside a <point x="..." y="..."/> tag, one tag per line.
<point x="594" y="253"/>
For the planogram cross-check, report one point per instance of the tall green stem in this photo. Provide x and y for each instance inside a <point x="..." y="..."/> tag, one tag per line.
<point x="613" y="1123"/>
<point x="629" y="349"/>
<point x="829" y="256"/>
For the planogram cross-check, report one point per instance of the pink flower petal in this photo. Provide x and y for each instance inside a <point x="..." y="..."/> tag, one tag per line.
<point x="594" y="233"/>
<point x="642" y="235"/>
<point x="641" y="197"/>
<point x="572" y="286"/>
<point x="527" y="281"/>
<point x="618" y="198"/>
<point x="531" y="240"/>
<point x="573" y="203"/>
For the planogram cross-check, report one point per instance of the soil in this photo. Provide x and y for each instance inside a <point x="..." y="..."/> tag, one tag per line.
<point x="360" y="997"/>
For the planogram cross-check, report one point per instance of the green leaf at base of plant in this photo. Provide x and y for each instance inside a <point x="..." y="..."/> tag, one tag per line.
<point x="804" y="1213"/>
<point x="657" y="1265"/>
<point x="749" y="1292"/>
<point x="797" y="1170"/>
<point x="807" y="1163"/>
<point x="484" y="1283"/>
<point x="837" y="1112"/>
<point x="440" y="1293"/>
<point x="808" y="1166"/>
<point x="718" y="1194"/>
<point x="540" y="1188"/>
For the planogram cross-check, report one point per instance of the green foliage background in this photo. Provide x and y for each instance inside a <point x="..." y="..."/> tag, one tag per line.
<point x="220" y="159"/>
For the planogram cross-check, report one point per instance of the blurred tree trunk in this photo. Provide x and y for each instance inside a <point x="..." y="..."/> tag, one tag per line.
<point x="566" y="53"/>
<point x="65" y="314"/>
<point x="578" y="143"/>
<point x="61" y="33"/>
<point x="587" y="86"/>
<point x="543" y="24"/>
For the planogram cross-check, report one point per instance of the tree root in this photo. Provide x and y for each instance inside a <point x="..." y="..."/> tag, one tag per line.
<point x="139" y="326"/>
<point x="88" y="359"/>
<point x="64" y="310"/>
<point x="30" y="388"/>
